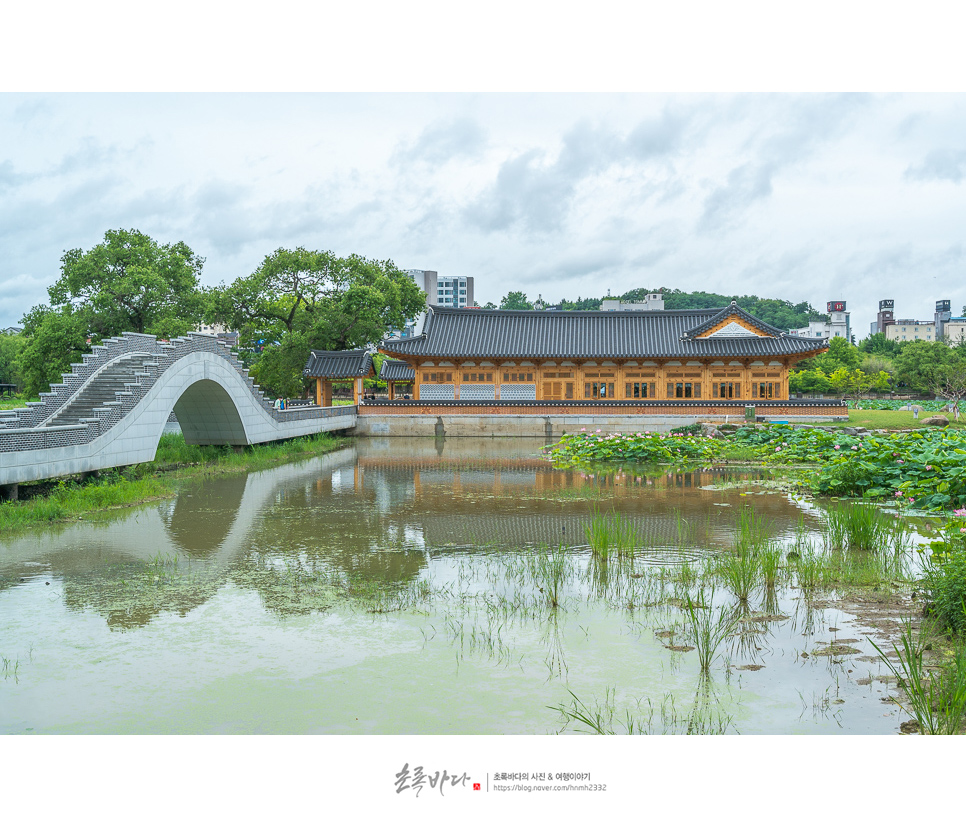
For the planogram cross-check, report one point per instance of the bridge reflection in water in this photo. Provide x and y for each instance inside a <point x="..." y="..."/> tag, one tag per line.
<point x="351" y="523"/>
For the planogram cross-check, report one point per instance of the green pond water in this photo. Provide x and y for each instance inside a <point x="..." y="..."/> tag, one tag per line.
<point x="402" y="587"/>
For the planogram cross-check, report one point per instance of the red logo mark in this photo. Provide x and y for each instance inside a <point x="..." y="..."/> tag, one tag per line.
<point x="476" y="786"/>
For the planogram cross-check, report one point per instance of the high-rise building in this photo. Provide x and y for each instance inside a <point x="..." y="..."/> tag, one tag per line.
<point x="943" y="315"/>
<point x="839" y="324"/>
<point x="445" y="291"/>
<point x="886" y="316"/>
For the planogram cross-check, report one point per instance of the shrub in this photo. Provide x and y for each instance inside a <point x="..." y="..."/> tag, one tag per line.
<point x="946" y="590"/>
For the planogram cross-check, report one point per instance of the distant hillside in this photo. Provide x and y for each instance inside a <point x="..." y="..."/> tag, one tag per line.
<point x="775" y="311"/>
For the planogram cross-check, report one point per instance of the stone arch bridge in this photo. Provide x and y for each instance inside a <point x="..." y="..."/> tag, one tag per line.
<point x="112" y="409"/>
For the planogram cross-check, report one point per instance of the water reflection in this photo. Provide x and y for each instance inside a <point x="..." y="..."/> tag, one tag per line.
<point x="364" y="522"/>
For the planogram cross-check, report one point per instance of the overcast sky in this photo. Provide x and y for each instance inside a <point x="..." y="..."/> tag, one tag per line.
<point x="802" y="197"/>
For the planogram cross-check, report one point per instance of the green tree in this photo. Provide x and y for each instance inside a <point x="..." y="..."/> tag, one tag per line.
<point x="922" y="366"/>
<point x="878" y="345"/>
<point x="299" y="299"/>
<point x="129" y="282"/>
<point x="54" y="339"/>
<point x="840" y="354"/>
<point x="808" y="381"/>
<point x="881" y="368"/>
<point x="515" y="301"/>
<point x="10" y="349"/>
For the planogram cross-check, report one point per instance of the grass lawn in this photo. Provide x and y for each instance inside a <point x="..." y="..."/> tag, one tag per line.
<point x="16" y="402"/>
<point x="893" y="419"/>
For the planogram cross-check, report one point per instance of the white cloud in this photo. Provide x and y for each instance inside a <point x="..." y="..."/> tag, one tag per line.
<point x="810" y="196"/>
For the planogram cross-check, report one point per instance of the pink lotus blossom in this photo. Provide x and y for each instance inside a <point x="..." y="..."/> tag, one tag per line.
<point x="900" y="461"/>
<point x="960" y="512"/>
<point x="838" y="447"/>
<point x="855" y="448"/>
<point x="912" y="500"/>
<point x="898" y="494"/>
<point x="928" y="468"/>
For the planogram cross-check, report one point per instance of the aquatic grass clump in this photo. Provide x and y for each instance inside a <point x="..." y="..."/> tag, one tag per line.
<point x="855" y="526"/>
<point x="609" y="532"/>
<point x="550" y="571"/>
<point x="740" y="567"/>
<point x="602" y="718"/>
<point x="937" y="697"/>
<point x="707" y="626"/>
<point x="770" y="558"/>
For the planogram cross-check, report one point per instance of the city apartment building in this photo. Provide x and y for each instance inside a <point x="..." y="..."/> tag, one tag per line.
<point x="445" y="291"/>
<point x="910" y="330"/>
<point x="839" y="324"/>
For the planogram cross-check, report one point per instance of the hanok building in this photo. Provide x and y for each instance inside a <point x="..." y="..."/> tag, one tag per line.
<point x="349" y="367"/>
<point x="578" y="357"/>
<point x="397" y="374"/>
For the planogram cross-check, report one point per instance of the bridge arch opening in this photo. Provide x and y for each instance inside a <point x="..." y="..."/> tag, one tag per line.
<point x="209" y="417"/>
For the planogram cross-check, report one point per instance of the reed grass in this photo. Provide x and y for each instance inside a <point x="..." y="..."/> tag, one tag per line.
<point x="740" y="572"/>
<point x="707" y="626"/>
<point x="600" y="536"/>
<point x="770" y="558"/>
<point x="854" y="526"/>
<point x="550" y="570"/>
<point x="937" y="698"/>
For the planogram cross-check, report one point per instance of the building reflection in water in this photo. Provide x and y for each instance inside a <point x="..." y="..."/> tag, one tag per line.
<point x="363" y="522"/>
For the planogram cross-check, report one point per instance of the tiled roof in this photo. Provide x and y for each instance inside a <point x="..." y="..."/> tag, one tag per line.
<point x="395" y="370"/>
<point x="723" y="315"/>
<point x="596" y="334"/>
<point x="338" y="364"/>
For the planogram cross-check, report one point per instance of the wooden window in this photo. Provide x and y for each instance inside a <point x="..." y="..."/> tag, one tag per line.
<point x="437" y="376"/>
<point x="598" y="390"/>
<point x="638" y="390"/>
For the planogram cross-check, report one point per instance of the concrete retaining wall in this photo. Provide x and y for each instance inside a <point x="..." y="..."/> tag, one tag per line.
<point x="520" y="425"/>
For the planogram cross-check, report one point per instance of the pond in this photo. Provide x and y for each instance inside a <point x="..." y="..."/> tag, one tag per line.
<point x="411" y="586"/>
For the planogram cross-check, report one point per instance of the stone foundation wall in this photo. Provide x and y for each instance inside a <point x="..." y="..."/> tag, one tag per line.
<point x="369" y="424"/>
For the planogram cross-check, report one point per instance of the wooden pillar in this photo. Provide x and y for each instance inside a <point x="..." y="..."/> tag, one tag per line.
<point x="392" y="390"/>
<point x="327" y="393"/>
<point x="318" y="391"/>
<point x="416" y="385"/>
<point x="356" y="390"/>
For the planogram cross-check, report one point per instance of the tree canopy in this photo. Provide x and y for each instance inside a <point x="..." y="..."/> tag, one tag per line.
<point x="10" y="349"/>
<point x="129" y="282"/>
<point x="926" y="366"/>
<point x="515" y="300"/>
<point x="778" y="313"/>
<point x="299" y="299"/>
